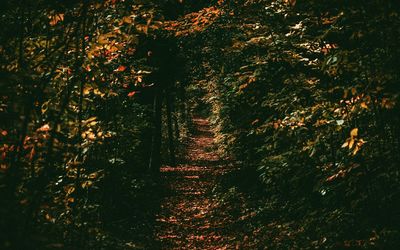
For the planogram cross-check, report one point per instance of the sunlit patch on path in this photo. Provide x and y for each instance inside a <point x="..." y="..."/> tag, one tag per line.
<point x="188" y="218"/>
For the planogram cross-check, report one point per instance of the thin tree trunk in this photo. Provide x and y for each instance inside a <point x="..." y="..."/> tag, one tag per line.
<point x="175" y="120"/>
<point x="171" y="145"/>
<point x="155" y="154"/>
<point x="183" y="105"/>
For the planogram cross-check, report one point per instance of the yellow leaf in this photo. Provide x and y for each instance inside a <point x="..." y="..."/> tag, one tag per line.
<point x="86" y="90"/>
<point x="360" y="142"/>
<point x="70" y="190"/>
<point x="93" y="175"/>
<point x="127" y="19"/>
<point x="93" y="118"/>
<point x="103" y="39"/>
<point x="351" y="143"/>
<point x="354" y="132"/>
<point x="356" y="148"/>
<point x="86" y="184"/>
<point x="98" y="92"/>
<point x="345" y="144"/>
<point x="45" y="107"/>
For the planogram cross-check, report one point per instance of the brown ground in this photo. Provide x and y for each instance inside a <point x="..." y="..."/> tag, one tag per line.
<point x="190" y="217"/>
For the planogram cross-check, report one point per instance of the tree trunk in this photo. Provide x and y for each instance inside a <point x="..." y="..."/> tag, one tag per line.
<point x="155" y="154"/>
<point x="171" y="145"/>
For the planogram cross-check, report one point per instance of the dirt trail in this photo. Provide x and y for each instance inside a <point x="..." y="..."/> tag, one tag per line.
<point x="189" y="217"/>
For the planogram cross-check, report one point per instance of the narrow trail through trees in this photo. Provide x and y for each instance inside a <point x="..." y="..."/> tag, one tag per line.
<point x="190" y="217"/>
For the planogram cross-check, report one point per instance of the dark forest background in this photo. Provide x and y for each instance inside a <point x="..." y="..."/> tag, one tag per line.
<point x="303" y="97"/>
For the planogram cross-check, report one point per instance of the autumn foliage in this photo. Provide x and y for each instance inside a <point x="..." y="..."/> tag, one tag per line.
<point x="303" y="97"/>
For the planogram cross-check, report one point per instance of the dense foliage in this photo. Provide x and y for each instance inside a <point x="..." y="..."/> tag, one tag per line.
<point x="78" y="131"/>
<point x="303" y="96"/>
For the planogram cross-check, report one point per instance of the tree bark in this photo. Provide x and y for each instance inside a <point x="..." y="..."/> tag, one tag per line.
<point x="171" y="145"/>
<point x="155" y="154"/>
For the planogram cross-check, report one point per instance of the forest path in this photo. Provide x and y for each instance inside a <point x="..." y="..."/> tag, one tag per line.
<point x="190" y="217"/>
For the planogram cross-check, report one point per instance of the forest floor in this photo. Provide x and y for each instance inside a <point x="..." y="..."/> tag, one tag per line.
<point x="190" y="216"/>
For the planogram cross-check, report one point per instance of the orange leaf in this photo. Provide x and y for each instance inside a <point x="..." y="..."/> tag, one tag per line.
<point x="56" y="18"/>
<point x="44" y="128"/>
<point x="121" y="68"/>
<point x="130" y="94"/>
<point x="364" y="105"/>
<point x="32" y="153"/>
<point x="243" y="86"/>
<point x="331" y="178"/>
<point x="127" y="19"/>
<point x="291" y="2"/>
